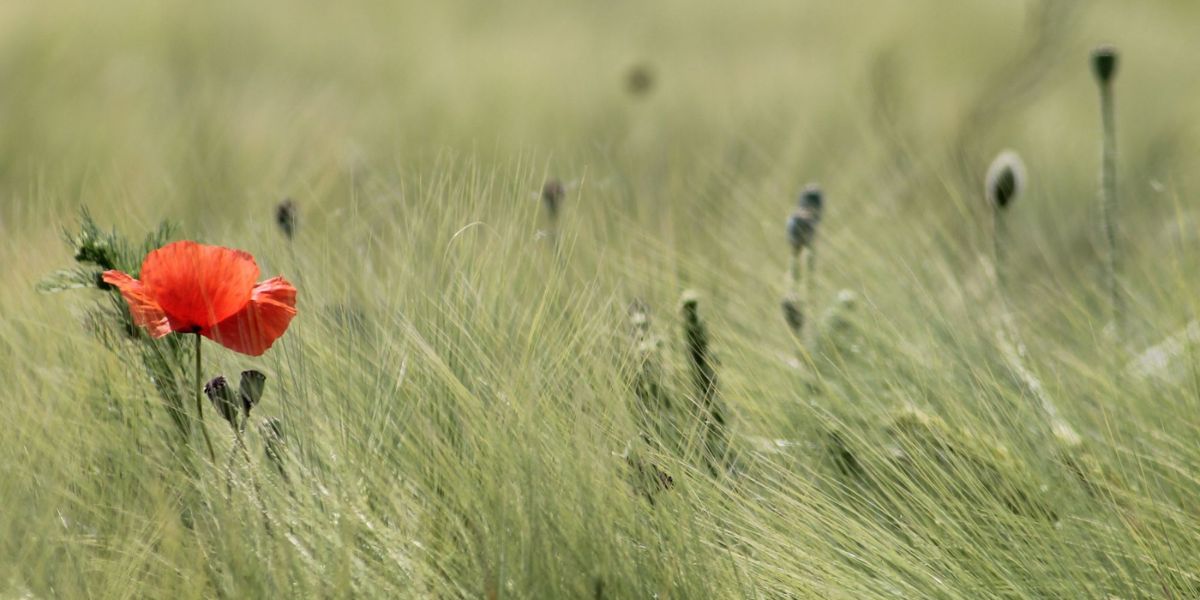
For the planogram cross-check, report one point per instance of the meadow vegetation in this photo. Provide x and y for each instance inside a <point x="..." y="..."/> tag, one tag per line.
<point x="635" y="380"/>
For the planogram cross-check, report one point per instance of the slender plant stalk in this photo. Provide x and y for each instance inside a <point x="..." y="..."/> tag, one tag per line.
<point x="802" y="237"/>
<point x="712" y="417"/>
<point x="1109" y="205"/>
<point x="1003" y="186"/>
<point x="810" y="286"/>
<point x="792" y="304"/>
<point x="553" y="194"/>
<point x="200" y="405"/>
<point x="1104" y="61"/>
<point x="794" y="272"/>
<point x="999" y="232"/>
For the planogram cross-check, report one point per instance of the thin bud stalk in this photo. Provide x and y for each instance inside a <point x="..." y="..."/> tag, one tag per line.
<point x="1104" y="68"/>
<point x="1108" y="205"/>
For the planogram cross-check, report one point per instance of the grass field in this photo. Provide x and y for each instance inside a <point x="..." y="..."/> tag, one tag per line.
<point x="475" y="401"/>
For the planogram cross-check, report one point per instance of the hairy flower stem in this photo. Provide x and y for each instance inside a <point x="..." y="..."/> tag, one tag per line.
<point x="998" y="242"/>
<point x="794" y="272"/>
<point x="200" y="405"/>
<point x="1012" y="348"/>
<point x="800" y="298"/>
<point x="793" y="305"/>
<point x="712" y="410"/>
<point x="1108" y="204"/>
<point x="810" y="280"/>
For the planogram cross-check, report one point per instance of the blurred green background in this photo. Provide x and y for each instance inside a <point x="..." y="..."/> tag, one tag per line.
<point x="208" y="114"/>
<point x="188" y="110"/>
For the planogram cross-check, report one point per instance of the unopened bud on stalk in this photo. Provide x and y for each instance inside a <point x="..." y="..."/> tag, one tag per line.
<point x="553" y="193"/>
<point x="802" y="224"/>
<point x="1005" y="180"/>
<point x="251" y="388"/>
<point x="1104" y="63"/>
<point x="799" y="231"/>
<point x="639" y="79"/>
<point x="223" y="398"/>
<point x="793" y="314"/>
<point x="285" y="217"/>
<point x="812" y="199"/>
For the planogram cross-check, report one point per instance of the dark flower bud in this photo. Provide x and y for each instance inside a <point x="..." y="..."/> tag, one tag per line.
<point x="1104" y="63"/>
<point x="553" y="193"/>
<point x="793" y="314"/>
<point x="812" y="200"/>
<point x="223" y="398"/>
<point x="285" y="217"/>
<point x="802" y="224"/>
<point x="800" y="230"/>
<point x="640" y="79"/>
<point x="1005" y="179"/>
<point x="251" y="388"/>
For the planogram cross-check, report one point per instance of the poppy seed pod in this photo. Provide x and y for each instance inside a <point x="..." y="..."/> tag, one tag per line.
<point x="688" y="302"/>
<point x="285" y="217"/>
<point x="1104" y="63"/>
<point x="801" y="229"/>
<point x="793" y="315"/>
<point x="251" y="388"/>
<point x="1005" y="180"/>
<point x="223" y="398"/>
<point x="640" y="79"/>
<point x="553" y="193"/>
<point x="813" y="200"/>
<point x="802" y="224"/>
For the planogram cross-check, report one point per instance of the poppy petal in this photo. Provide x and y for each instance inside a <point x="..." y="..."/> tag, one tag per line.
<point x="142" y="306"/>
<point x="198" y="286"/>
<point x="251" y="331"/>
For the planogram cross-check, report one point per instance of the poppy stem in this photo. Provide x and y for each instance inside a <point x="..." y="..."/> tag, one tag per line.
<point x="1108" y="204"/>
<point x="200" y="405"/>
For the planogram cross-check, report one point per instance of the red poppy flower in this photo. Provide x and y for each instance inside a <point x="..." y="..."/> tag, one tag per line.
<point x="193" y="288"/>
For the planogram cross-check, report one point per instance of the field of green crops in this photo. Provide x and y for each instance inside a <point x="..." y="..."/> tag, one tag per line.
<point x="488" y="393"/>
